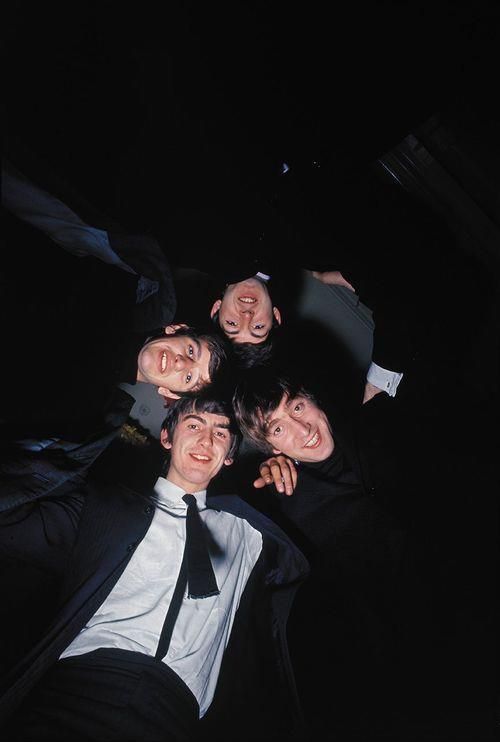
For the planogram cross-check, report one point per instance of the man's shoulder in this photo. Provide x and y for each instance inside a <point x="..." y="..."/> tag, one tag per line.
<point x="276" y="541"/>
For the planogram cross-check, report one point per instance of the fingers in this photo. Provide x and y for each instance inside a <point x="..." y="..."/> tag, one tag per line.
<point x="370" y="392"/>
<point x="172" y="329"/>
<point x="347" y="284"/>
<point x="260" y="482"/>
<point x="280" y="471"/>
<point x="333" y="278"/>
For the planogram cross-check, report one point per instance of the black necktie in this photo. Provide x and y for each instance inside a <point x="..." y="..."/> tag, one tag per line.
<point x="196" y="570"/>
<point x="200" y="573"/>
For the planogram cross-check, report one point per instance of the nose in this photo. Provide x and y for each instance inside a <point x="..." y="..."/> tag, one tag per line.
<point x="302" y="427"/>
<point x="181" y="362"/>
<point x="205" y="438"/>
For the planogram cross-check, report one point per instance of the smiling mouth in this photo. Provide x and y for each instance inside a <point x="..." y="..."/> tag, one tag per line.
<point x="163" y="361"/>
<point x="199" y="457"/>
<point x="247" y="299"/>
<point x="314" y="441"/>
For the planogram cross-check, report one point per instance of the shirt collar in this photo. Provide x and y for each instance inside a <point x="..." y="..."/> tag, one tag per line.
<point x="263" y="276"/>
<point x="170" y="495"/>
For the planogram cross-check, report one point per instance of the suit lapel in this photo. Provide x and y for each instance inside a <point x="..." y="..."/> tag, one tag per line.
<point x="114" y="521"/>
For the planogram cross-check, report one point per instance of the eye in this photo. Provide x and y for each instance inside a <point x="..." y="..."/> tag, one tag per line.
<point x="259" y="327"/>
<point x="277" y="430"/>
<point x="231" y="323"/>
<point x="298" y="408"/>
<point x="193" y="426"/>
<point x="189" y="376"/>
<point x="190" y="350"/>
<point x="220" y="434"/>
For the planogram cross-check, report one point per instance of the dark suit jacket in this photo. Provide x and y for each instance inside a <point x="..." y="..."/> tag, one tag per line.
<point x="434" y="305"/>
<point x="73" y="331"/>
<point x="88" y="533"/>
<point x="73" y="325"/>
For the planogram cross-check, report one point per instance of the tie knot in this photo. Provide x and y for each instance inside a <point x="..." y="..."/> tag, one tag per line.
<point x="189" y="499"/>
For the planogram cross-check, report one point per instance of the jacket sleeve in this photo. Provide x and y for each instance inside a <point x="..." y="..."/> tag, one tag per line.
<point x="42" y="532"/>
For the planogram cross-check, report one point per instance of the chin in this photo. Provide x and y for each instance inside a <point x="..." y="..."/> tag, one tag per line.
<point x="197" y="477"/>
<point x="319" y="455"/>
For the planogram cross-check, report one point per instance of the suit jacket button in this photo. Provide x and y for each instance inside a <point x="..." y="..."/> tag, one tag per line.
<point x="148" y="509"/>
<point x="130" y="547"/>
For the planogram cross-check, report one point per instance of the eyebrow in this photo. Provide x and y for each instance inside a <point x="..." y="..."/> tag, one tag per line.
<point x="198" y="347"/>
<point x="253" y="334"/>
<point x="274" y="420"/>
<point x="198" y="350"/>
<point x="200" y="383"/>
<point x="202" y="420"/>
<point x="270" y="421"/>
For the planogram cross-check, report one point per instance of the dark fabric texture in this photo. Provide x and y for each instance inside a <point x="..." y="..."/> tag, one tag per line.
<point x="66" y="322"/>
<point x="108" y="694"/>
<point x="73" y="325"/>
<point x="95" y="540"/>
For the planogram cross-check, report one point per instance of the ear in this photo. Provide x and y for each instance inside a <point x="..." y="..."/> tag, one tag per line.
<point x="164" y="439"/>
<point x="228" y="462"/>
<point x="216" y="307"/>
<point x="277" y="315"/>
<point x="164" y="392"/>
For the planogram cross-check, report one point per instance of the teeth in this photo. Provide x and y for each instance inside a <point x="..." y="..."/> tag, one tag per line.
<point x="163" y="361"/>
<point x="247" y="299"/>
<point x="200" y="457"/>
<point x="313" y="441"/>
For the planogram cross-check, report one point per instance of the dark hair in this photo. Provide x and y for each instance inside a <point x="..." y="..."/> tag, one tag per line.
<point x="216" y="346"/>
<point x="252" y="353"/>
<point x="203" y="402"/>
<point x="248" y="355"/>
<point x="256" y="396"/>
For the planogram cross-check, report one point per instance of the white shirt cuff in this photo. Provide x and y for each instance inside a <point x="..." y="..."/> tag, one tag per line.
<point x="383" y="379"/>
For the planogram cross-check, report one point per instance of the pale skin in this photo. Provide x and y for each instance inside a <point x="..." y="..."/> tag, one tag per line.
<point x="174" y="364"/>
<point x="300" y="428"/>
<point x="246" y="312"/>
<point x="198" y="449"/>
<point x="332" y="278"/>
<point x="280" y="470"/>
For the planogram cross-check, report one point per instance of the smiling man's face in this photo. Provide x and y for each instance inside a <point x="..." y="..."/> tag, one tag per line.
<point x="174" y="364"/>
<point x="299" y="429"/>
<point x="199" y="449"/>
<point x="246" y="312"/>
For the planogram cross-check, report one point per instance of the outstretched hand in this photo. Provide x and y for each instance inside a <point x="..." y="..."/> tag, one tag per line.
<point x="332" y="278"/>
<point x="370" y="392"/>
<point x="280" y="471"/>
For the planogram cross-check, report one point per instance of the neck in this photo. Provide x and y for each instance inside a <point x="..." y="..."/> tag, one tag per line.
<point x="189" y="487"/>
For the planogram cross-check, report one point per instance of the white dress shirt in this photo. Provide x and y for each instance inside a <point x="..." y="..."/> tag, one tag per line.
<point x="384" y="379"/>
<point x="132" y="615"/>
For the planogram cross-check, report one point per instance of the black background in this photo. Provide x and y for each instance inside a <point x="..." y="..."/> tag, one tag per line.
<point x="156" y="112"/>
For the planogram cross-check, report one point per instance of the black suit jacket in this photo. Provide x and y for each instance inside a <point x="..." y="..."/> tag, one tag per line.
<point x="87" y="533"/>
<point x="73" y="330"/>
